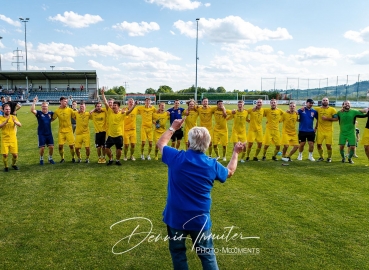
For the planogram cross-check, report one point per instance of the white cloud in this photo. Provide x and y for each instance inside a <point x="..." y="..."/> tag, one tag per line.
<point x="176" y="4"/>
<point x="44" y="7"/>
<point x="48" y="58"/>
<point x="74" y="20"/>
<point x="151" y="66"/>
<point x="314" y="55"/>
<point x="358" y="36"/>
<point x="230" y="29"/>
<point x="240" y="53"/>
<point x="172" y="33"/>
<point x="64" y="31"/>
<point x="359" y="59"/>
<point x="1" y="45"/>
<point x="264" y="49"/>
<point x="128" y="51"/>
<point x="57" y="49"/>
<point x="10" y="21"/>
<point x="99" y="66"/>
<point x="137" y="29"/>
<point x="207" y="4"/>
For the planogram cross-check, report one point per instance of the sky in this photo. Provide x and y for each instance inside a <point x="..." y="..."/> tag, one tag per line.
<point x="242" y="44"/>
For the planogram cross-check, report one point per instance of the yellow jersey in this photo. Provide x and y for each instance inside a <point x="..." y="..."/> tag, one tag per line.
<point x="239" y="122"/>
<point x="130" y="121"/>
<point x="116" y="123"/>
<point x="220" y="121"/>
<point x="99" y="120"/>
<point x="273" y="118"/>
<point x="9" y="131"/>
<point x="289" y="123"/>
<point x="162" y="119"/>
<point x="146" y="114"/>
<point x="256" y="118"/>
<point x="206" y="116"/>
<point x="82" y="120"/>
<point x="64" y="115"/>
<point x="191" y="120"/>
<point x="324" y="125"/>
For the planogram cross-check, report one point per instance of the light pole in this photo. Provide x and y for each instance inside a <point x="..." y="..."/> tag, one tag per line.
<point x="25" y="36"/>
<point x="52" y="67"/>
<point x="0" y="54"/>
<point x="197" y="58"/>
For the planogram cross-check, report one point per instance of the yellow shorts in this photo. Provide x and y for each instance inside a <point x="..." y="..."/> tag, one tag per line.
<point x="365" y="138"/>
<point x="130" y="136"/>
<point x="290" y="139"/>
<point x="220" y="138"/>
<point x="255" y="135"/>
<point x="66" y="137"/>
<point x="82" y="139"/>
<point x="146" y="134"/>
<point x="11" y="147"/>
<point x="272" y="136"/>
<point x="157" y="135"/>
<point x="238" y="137"/>
<point x="324" y="136"/>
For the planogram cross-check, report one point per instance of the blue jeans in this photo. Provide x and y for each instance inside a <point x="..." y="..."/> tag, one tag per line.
<point x="203" y="246"/>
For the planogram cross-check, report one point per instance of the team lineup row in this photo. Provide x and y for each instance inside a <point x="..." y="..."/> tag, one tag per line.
<point x="117" y="127"/>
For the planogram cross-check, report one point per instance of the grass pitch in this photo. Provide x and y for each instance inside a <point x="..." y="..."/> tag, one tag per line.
<point x="308" y="215"/>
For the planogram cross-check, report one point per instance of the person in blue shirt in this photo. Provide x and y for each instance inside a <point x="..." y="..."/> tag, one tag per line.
<point x="191" y="176"/>
<point x="306" y="128"/>
<point x="44" y="132"/>
<point x="176" y="113"/>
<point x="2" y="101"/>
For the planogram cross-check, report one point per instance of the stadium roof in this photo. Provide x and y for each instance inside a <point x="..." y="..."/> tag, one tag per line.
<point x="48" y="74"/>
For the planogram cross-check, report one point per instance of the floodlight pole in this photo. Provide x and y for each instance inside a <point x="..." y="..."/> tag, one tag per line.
<point x="25" y="37"/>
<point x="52" y="67"/>
<point x="197" y="58"/>
<point x="0" y="54"/>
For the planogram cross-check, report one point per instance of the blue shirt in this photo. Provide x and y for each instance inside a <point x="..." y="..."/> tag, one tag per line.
<point x="307" y="119"/>
<point x="175" y="114"/>
<point x="191" y="176"/>
<point x="44" y="123"/>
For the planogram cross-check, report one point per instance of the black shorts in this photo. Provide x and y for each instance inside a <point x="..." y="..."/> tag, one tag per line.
<point x="177" y="135"/>
<point x="306" y="136"/>
<point x="100" y="139"/>
<point x="117" y="141"/>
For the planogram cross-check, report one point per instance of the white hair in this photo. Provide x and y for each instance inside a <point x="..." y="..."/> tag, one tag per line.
<point x="199" y="139"/>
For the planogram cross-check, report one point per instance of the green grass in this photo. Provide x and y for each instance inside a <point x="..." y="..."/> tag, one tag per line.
<point x="308" y="215"/>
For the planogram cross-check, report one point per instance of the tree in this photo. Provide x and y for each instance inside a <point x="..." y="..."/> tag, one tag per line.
<point x="119" y="90"/>
<point x="165" y="89"/>
<point x="150" y="91"/>
<point x="221" y="89"/>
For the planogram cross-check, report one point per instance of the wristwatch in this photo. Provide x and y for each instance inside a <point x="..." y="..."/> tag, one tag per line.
<point x="171" y="129"/>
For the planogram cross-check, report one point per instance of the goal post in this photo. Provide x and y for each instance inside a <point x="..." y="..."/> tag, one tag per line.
<point x="251" y="99"/>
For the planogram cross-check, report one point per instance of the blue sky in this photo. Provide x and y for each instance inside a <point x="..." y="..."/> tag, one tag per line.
<point x="148" y="43"/>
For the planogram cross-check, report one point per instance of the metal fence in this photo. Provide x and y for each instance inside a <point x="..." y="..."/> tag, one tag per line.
<point x="347" y="87"/>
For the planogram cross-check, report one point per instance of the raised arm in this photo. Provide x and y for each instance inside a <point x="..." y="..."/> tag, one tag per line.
<point x="104" y="98"/>
<point x="164" y="139"/>
<point x="131" y="109"/>
<point x="33" y="107"/>
<point x="232" y="165"/>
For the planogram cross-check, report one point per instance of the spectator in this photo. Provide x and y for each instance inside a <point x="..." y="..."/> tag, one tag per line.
<point x="191" y="176"/>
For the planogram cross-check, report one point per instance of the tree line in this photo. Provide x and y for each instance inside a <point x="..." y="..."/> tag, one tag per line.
<point x="165" y="89"/>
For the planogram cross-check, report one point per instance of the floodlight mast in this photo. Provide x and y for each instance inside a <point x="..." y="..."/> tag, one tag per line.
<point x="0" y="54"/>
<point x="197" y="58"/>
<point x="25" y="37"/>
